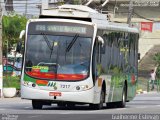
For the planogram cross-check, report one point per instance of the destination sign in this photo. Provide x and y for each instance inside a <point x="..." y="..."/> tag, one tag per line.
<point x="61" y="28"/>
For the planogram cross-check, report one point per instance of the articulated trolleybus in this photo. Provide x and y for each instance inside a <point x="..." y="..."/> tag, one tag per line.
<point x="74" y="55"/>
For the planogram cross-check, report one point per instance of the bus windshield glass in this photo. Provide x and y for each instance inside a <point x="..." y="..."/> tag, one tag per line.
<point x="58" y="53"/>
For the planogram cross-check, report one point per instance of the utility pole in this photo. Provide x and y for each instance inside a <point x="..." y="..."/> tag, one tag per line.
<point x="26" y="5"/>
<point x="130" y="11"/>
<point x="9" y="5"/>
<point x="1" y="67"/>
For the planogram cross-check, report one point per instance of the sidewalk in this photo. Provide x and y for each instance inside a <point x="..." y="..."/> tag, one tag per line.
<point x="148" y="96"/>
<point x="12" y="100"/>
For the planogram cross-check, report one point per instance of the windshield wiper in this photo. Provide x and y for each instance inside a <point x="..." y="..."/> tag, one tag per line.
<point x="72" y="43"/>
<point x="47" y="41"/>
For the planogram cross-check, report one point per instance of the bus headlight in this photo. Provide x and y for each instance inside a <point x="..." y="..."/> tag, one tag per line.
<point x="82" y="87"/>
<point x="29" y="84"/>
<point x="33" y="85"/>
<point x="25" y="83"/>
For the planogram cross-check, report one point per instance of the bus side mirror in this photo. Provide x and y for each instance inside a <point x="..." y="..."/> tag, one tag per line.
<point x="22" y="34"/>
<point x="19" y="44"/>
<point x="139" y="56"/>
<point x="102" y="42"/>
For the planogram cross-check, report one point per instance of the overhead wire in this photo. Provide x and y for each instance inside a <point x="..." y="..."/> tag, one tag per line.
<point x="140" y="16"/>
<point x="145" y="17"/>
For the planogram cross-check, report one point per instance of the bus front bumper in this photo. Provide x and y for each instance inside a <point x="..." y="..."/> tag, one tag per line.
<point x="37" y="94"/>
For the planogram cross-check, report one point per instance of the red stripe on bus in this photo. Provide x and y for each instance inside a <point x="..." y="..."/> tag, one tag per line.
<point x="58" y="76"/>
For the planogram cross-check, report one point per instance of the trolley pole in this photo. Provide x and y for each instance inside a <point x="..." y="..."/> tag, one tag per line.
<point x="1" y="67"/>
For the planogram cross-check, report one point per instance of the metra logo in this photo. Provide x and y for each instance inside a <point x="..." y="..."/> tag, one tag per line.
<point x="52" y="84"/>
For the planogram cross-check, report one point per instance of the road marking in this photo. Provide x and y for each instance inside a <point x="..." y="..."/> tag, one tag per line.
<point x="121" y="109"/>
<point x="94" y="111"/>
<point x="147" y="106"/>
<point x="67" y="112"/>
<point x="142" y="107"/>
<point x="27" y="107"/>
<point x="34" y="116"/>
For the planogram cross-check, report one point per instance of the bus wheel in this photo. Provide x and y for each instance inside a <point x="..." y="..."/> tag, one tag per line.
<point x="122" y="103"/>
<point x="110" y="105"/>
<point x="37" y="104"/>
<point x="70" y="105"/>
<point x="100" y="105"/>
<point x="61" y="104"/>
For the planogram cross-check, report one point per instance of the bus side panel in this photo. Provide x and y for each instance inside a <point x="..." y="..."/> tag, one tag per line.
<point x="119" y="61"/>
<point x="133" y="60"/>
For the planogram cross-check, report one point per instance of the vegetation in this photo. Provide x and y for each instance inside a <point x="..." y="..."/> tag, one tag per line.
<point x="12" y="26"/>
<point x="157" y="60"/>
<point x="11" y="81"/>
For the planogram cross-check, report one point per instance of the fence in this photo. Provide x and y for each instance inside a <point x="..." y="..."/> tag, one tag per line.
<point x="156" y="85"/>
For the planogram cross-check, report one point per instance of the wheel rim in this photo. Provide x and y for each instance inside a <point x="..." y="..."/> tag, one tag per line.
<point x="124" y="98"/>
<point x="102" y="99"/>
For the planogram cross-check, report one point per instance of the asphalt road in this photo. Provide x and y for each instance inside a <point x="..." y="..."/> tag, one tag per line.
<point x="18" y="109"/>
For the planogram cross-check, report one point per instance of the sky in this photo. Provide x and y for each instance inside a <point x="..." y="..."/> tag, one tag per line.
<point x="20" y="6"/>
<point x="31" y="8"/>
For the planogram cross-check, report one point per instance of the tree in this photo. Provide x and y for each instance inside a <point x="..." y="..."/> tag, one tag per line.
<point x="157" y="60"/>
<point x="12" y="26"/>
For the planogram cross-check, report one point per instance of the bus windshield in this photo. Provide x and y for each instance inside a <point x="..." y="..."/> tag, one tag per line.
<point x="58" y="57"/>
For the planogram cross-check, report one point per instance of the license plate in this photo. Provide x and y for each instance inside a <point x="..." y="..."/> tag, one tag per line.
<point x="55" y="93"/>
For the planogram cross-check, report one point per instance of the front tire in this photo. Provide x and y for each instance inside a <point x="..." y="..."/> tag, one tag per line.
<point x="100" y="105"/>
<point x="37" y="104"/>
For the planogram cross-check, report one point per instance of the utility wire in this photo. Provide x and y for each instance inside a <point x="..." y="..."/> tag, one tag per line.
<point x="140" y="16"/>
<point x="145" y="17"/>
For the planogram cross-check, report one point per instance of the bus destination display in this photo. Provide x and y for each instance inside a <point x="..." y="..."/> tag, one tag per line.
<point x="61" y="28"/>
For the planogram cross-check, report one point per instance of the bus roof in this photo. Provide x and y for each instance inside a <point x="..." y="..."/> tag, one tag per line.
<point x="85" y="13"/>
